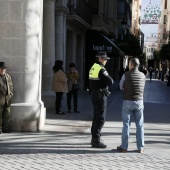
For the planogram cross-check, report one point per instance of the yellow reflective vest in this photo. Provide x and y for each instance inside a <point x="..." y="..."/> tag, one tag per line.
<point x="94" y="71"/>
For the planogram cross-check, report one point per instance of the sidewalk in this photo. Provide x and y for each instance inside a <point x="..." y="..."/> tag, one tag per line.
<point x="64" y="142"/>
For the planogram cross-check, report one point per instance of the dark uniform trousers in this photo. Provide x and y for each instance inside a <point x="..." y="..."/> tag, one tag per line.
<point x="99" y="101"/>
<point x="4" y="115"/>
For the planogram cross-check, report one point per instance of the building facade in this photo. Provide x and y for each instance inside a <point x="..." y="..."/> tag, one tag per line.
<point x="164" y="29"/>
<point x="136" y="13"/>
<point x="164" y="24"/>
<point x="66" y="32"/>
<point x="151" y="44"/>
<point x="124" y="12"/>
<point x="33" y="34"/>
<point x="136" y="25"/>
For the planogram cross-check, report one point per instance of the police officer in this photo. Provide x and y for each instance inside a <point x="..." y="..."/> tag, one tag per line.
<point x="99" y="80"/>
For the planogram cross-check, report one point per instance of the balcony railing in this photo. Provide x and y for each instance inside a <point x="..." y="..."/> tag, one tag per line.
<point x="81" y="9"/>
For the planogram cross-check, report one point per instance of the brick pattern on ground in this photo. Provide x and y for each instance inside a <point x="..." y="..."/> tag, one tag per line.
<point x="85" y="161"/>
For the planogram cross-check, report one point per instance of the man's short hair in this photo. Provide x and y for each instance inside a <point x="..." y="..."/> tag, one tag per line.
<point x="135" y="62"/>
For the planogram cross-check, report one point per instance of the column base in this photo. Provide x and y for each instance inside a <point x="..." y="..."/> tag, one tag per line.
<point x="27" y="117"/>
<point x="48" y="99"/>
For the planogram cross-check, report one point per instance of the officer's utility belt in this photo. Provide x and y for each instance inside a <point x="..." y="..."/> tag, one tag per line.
<point x="103" y="91"/>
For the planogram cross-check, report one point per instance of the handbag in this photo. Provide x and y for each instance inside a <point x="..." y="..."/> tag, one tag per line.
<point x="75" y="86"/>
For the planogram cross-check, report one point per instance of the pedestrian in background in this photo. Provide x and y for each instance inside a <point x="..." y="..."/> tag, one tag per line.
<point x="99" y="80"/>
<point x="73" y="87"/>
<point x="160" y="73"/>
<point x="156" y="73"/>
<point x="132" y="83"/>
<point x="120" y="73"/>
<point x="59" y="84"/>
<point x="168" y="80"/>
<point x="6" y="93"/>
<point x="166" y="74"/>
<point x="144" y="71"/>
<point x="150" y="70"/>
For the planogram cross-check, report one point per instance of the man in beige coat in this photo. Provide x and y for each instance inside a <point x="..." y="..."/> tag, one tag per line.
<point x="6" y="93"/>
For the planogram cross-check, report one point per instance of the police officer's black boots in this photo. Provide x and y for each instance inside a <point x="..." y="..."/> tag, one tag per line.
<point x="97" y="143"/>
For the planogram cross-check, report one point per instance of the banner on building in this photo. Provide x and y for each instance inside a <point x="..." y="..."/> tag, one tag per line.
<point x="151" y="11"/>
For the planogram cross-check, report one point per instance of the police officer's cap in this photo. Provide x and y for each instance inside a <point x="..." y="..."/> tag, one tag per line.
<point x="102" y="54"/>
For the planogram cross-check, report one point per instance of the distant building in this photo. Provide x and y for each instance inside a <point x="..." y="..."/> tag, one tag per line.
<point x="164" y="24"/>
<point x="151" y="45"/>
<point x="136" y="19"/>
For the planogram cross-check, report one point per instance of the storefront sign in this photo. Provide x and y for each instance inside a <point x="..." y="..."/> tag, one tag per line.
<point x="102" y="48"/>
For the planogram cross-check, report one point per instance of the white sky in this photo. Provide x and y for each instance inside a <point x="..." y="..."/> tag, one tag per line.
<point x="148" y="29"/>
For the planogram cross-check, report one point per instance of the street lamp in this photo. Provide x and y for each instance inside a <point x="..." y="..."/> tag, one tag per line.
<point x="124" y="26"/>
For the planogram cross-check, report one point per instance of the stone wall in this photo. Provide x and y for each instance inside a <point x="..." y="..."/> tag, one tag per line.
<point x="21" y="49"/>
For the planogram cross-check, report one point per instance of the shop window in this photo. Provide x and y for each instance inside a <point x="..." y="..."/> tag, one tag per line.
<point x="165" y="19"/>
<point x="120" y="8"/>
<point x="165" y="4"/>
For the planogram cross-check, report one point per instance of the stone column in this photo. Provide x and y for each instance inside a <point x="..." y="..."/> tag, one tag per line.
<point x="48" y="52"/>
<point x="22" y="51"/>
<point x="60" y="30"/>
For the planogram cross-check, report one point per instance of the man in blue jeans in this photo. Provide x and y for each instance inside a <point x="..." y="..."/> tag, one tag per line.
<point x="132" y="83"/>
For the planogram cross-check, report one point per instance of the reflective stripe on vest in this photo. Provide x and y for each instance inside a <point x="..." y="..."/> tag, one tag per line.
<point x="94" y="71"/>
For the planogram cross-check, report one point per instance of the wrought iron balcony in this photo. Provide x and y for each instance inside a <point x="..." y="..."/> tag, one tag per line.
<point x="81" y="9"/>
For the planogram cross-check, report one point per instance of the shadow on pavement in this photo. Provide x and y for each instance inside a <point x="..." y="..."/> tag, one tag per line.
<point x="70" y="133"/>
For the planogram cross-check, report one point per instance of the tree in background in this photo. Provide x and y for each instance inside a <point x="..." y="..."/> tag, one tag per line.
<point x="157" y="58"/>
<point x="165" y="52"/>
<point x="130" y="45"/>
<point x="156" y="55"/>
<point x="142" y="59"/>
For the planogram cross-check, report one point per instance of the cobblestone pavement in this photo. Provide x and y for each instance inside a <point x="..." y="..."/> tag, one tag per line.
<point x="64" y="142"/>
<point x="85" y="161"/>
